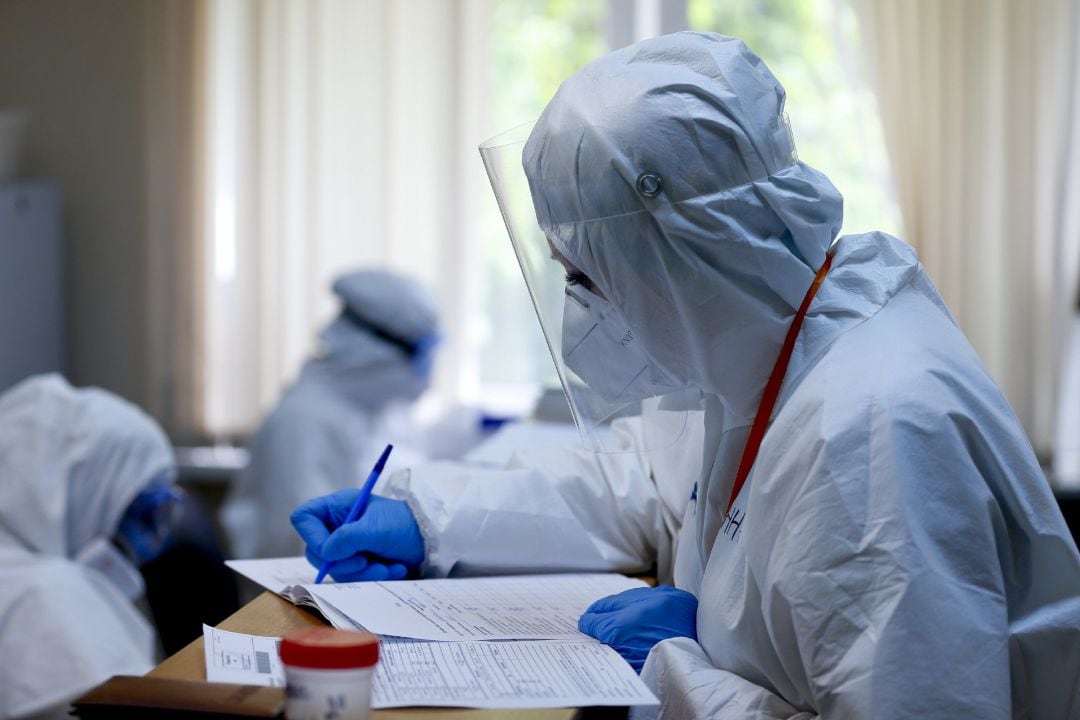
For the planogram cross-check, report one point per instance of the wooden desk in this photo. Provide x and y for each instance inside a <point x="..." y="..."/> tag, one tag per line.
<point x="272" y="616"/>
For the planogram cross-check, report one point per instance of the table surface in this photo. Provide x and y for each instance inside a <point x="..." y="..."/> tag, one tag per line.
<point x="270" y="615"/>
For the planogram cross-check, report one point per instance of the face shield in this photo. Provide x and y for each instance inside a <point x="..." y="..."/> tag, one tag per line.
<point x="601" y="363"/>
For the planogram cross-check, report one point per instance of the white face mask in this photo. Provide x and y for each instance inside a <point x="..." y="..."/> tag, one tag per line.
<point x="104" y="557"/>
<point x="602" y="350"/>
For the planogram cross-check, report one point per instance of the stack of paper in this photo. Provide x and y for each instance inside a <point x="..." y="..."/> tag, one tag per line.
<point x="448" y="642"/>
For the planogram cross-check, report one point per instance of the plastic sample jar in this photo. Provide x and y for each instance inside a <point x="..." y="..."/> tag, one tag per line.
<point x="328" y="673"/>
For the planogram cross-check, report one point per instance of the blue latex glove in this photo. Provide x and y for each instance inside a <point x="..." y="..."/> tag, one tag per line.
<point x="383" y="544"/>
<point x="634" y="620"/>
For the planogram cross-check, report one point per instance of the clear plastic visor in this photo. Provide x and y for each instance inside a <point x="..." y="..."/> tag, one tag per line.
<point x="602" y="368"/>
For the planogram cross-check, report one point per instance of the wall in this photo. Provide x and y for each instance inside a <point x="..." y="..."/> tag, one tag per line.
<point x="79" y="67"/>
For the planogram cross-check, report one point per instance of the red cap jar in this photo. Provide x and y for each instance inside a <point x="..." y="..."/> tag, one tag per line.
<point x="328" y="673"/>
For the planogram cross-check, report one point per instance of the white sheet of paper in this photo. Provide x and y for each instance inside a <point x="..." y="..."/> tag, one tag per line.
<point x="290" y="577"/>
<point x="519" y="607"/>
<point x="335" y="617"/>
<point x="239" y="658"/>
<point x="275" y="574"/>
<point x="525" y="674"/>
<point x="522" y="607"/>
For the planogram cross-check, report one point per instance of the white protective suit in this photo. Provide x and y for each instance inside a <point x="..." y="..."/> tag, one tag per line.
<point x="71" y="461"/>
<point x="540" y="512"/>
<point x="331" y="425"/>
<point x="896" y="551"/>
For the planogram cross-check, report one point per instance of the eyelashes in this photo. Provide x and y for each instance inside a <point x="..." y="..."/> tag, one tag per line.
<point x="577" y="278"/>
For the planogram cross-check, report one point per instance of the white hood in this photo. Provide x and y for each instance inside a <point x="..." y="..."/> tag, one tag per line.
<point x="709" y="271"/>
<point x="71" y="460"/>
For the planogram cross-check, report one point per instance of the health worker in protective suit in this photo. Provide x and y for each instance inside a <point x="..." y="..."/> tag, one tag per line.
<point x="86" y="497"/>
<point x="870" y="534"/>
<point x="350" y="400"/>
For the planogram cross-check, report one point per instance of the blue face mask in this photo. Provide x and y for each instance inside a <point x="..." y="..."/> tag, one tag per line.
<point x="421" y="352"/>
<point x="148" y="523"/>
<point x="423" y="357"/>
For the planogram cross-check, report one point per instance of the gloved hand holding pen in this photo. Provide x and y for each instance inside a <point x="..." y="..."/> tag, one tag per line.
<point x="381" y="541"/>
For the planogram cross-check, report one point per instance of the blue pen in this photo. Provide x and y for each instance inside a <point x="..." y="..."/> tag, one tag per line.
<point x="361" y="502"/>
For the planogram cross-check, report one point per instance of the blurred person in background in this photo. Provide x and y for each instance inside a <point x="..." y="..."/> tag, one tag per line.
<point x="86" y="499"/>
<point x="351" y="399"/>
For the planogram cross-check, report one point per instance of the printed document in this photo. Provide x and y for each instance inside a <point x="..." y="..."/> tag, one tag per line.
<point x="238" y="658"/>
<point x="525" y="674"/>
<point x="520" y="607"/>
<point x="289" y="577"/>
<point x="516" y="607"/>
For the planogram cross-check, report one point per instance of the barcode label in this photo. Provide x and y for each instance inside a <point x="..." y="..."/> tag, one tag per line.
<point x="262" y="662"/>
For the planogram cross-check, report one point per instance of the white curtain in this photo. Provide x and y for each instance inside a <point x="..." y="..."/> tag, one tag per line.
<point x="339" y="133"/>
<point x="173" y="74"/>
<point x="978" y="102"/>
<point x="1066" y="455"/>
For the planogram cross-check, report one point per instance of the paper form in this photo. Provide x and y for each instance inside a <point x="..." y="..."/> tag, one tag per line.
<point x="276" y="574"/>
<point x="524" y="674"/>
<point x="335" y="617"/>
<point x="522" y="607"/>
<point x="289" y="577"/>
<point x="238" y="658"/>
<point x="519" y="607"/>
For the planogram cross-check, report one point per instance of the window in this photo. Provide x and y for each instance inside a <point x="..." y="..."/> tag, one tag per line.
<point x="811" y="47"/>
<point x="533" y="46"/>
<point x="344" y="134"/>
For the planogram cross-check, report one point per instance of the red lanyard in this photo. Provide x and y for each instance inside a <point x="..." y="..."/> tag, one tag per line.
<point x="772" y="388"/>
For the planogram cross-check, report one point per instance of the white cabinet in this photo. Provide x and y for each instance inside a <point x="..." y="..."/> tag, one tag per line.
<point x="32" y="312"/>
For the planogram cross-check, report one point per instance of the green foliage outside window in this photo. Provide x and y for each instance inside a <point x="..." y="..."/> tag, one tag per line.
<point x="533" y="46"/>
<point x="811" y="47"/>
